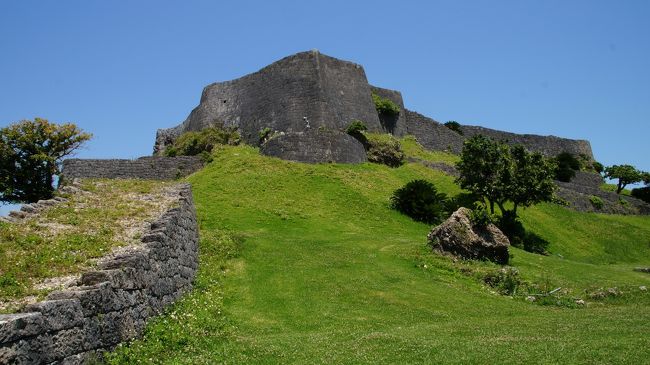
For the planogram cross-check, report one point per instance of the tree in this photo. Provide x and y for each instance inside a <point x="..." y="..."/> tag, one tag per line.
<point x="626" y="174"/>
<point x="482" y="164"/>
<point x="499" y="173"/>
<point x="30" y="156"/>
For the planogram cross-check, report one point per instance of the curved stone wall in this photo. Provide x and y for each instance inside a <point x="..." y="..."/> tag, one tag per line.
<point x="431" y="134"/>
<point x="316" y="147"/>
<point x="327" y="91"/>
<point x="111" y="304"/>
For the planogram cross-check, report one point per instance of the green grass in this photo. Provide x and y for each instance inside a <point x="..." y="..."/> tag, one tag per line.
<point x="612" y="188"/>
<point x="307" y="264"/>
<point x="412" y="148"/>
<point x="62" y="239"/>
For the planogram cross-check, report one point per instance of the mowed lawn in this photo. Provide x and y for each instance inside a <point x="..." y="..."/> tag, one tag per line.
<point x="308" y="264"/>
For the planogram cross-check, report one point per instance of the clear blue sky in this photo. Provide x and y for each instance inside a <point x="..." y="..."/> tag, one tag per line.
<point x="122" y="69"/>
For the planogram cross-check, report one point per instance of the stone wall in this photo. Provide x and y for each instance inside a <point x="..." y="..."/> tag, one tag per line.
<point x="395" y="125"/>
<point x="151" y="168"/>
<point x="316" y="146"/>
<point x="327" y="91"/>
<point x="431" y="134"/>
<point x="547" y="145"/>
<point x="112" y="303"/>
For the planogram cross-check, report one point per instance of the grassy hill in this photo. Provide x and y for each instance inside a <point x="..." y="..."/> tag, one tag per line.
<point x="307" y="264"/>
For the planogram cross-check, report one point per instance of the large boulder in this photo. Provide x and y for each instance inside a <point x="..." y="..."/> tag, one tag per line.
<point x="459" y="237"/>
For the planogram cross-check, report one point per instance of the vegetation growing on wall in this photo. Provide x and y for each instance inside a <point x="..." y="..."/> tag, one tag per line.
<point x="454" y="126"/>
<point x="385" y="106"/>
<point x="203" y="142"/>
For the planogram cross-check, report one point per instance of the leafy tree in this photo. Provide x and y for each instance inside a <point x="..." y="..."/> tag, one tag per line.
<point x="482" y="164"/>
<point x="30" y="156"/>
<point x="626" y="174"/>
<point x="567" y="165"/>
<point x="499" y="174"/>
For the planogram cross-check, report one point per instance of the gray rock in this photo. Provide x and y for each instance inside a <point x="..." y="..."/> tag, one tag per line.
<point x="15" y="326"/>
<point x="316" y="147"/>
<point x="58" y="314"/>
<point x="457" y="236"/>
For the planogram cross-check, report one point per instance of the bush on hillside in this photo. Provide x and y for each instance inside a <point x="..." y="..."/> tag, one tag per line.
<point x="642" y="193"/>
<point x="567" y="165"/>
<point x="385" y="150"/>
<point x="454" y="126"/>
<point x="480" y="216"/>
<point x="203" y="142"/>
<point x="385" y="106"/>
<point x="420" y="200"/>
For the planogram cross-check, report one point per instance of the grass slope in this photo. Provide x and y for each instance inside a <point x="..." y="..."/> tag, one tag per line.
<point x="307" y="264"/>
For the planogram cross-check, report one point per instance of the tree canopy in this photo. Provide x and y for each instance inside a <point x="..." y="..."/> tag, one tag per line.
<point x="625" y="174"/>
<point x="30" y="156"/>
<point x="499" y="174"/>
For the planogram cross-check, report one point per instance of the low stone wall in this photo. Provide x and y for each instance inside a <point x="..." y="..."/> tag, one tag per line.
<point x="590" y="179"/>
<point x="578" y="196"/>
<point x="111" y="304"/>
<point x="316" y="146"/>
<point x="151" y="168"/>
<point x="546" y="145"/>
<point x="431" y="134"/>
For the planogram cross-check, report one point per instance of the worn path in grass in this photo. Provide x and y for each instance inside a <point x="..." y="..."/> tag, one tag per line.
<point x="307" y="264"/>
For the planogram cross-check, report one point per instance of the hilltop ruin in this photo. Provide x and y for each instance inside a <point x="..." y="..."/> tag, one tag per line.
<point x="311" y="91"/>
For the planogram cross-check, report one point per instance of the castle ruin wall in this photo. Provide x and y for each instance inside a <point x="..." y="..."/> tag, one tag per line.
<point x="111" y="304"/>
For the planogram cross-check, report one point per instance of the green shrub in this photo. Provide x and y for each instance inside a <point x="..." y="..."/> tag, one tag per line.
<point x="385" y="106"/>
<point x="420" y="200"/>
<point x="598" y="167"/>
<point x="264" y="134"/>
<point x="480" y="216"/>
<point x="385" y="149"/>
<point x="356" y="129"/>
<point x="567" y="165"/>
<point x="505" y="280"/>
<point x="454" y="126"/>
<point x="356" y="126"/>
<point x="195" y="143"/>
<point x="623" y="202"/>
<point x="596" y="202"/>
<point x="642" y="193"/>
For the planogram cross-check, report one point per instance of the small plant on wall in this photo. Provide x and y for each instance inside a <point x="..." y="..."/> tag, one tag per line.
<point x="385" y="106"/>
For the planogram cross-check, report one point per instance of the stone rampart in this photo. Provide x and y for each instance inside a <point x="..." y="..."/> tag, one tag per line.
<point x="316" y="147"/>
<point x="327" y="91"/>
<point x="547" y="145"/>
<point x="149" y="168"/>
<point x="395" y="125"/>
<point x="431" y="134"/>
<point x="112" y="303"/>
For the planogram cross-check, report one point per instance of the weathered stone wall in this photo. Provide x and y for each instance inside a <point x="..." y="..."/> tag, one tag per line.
<point x="547" y="145"/>
<point x="316" y="146"/>
<point x="111" y="304"/>
<point x="328" y="91"/>
<point x="431" y="134"/>
<point x="395" y="125"/>
<point x="151" y="168"/>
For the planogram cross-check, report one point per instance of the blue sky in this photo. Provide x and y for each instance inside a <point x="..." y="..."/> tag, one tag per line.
<point x="122" y="69"/>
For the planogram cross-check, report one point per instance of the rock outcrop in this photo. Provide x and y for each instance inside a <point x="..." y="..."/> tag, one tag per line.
<point x="458" y="237"/>
<point x="316" y="146"/>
